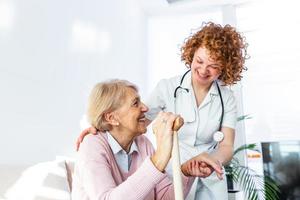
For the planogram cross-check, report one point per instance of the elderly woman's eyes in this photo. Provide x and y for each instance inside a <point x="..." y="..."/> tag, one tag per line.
<point x="136" y="103"/>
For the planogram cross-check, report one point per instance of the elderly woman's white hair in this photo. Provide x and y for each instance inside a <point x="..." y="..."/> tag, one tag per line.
<point x="106" y="97"/>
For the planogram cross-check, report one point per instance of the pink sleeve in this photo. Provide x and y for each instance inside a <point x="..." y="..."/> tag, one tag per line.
<point x="99" y="182"/>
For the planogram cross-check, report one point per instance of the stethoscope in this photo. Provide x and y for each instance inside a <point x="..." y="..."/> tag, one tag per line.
<point x="217" y="136"/>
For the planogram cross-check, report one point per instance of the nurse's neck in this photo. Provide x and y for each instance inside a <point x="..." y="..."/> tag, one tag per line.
<point x="200" y="91"/>
<point x="199" y="87"/>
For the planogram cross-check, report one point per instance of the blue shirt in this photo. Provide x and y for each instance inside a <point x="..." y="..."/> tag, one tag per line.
<point x="123" y="159"/>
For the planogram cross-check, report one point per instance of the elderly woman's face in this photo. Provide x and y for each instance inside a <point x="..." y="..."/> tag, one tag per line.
<point x="131" y="116"/>
<point x="204" y="69"/>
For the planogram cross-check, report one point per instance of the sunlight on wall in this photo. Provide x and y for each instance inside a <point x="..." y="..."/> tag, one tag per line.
<point x="88" y="38"/>
<point x="6" y="15"/>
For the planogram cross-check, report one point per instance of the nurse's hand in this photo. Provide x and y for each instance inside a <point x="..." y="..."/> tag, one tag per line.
<point x="85" y="132"/>
<point x="202" y="166"/>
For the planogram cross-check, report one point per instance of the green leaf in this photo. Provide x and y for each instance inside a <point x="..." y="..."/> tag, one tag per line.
<point x="243" y="117"/>
<point x="246" y="147"/>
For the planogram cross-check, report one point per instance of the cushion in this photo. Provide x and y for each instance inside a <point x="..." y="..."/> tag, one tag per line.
<point x="43" y="181"/>
<point x="9" y="174"/>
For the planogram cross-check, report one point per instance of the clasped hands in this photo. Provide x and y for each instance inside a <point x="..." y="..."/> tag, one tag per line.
<point x="202" y="166"/>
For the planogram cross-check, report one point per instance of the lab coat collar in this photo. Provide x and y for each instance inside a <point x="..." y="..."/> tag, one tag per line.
<point x="187" y="83"/>
<point x="212" y="93"/>
<point x="116" y="147"/>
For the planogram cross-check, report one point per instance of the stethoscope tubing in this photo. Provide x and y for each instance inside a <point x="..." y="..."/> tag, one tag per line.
<point x="221" y="99"/>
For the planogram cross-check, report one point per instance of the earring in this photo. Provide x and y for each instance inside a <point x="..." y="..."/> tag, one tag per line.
<point x="117" y="124"/>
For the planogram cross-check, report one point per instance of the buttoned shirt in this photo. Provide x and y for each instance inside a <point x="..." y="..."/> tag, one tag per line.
<point x="122" y="157"/>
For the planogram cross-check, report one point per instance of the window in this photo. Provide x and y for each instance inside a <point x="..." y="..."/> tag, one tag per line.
<point x="270" y="85"/>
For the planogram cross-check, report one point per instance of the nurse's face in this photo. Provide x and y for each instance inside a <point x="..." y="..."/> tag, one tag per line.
<point x="204" y="69"/>
<point x="131" y="115"/>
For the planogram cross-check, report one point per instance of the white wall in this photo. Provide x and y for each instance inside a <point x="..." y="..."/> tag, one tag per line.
<point x="51" y="53"/>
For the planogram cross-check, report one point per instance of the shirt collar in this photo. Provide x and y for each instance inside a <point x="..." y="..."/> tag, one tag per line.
<point x="116" y="147"/>
<point x="213" y="89"/>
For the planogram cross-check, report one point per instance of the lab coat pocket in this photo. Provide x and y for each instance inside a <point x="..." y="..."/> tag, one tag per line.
<point x="184" y="107"/>
<point x="212" y="125"/>
<point x="187" y="132"/>
<point x="188" y="116"/>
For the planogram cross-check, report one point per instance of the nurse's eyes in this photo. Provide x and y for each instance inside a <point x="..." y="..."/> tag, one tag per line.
<point x="199" y="62"/>
<point x="212" y="66"/>
<point x="215" y="67"/>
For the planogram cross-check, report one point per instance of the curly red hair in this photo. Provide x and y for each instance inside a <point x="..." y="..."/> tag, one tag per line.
<point x="224" y="44"/>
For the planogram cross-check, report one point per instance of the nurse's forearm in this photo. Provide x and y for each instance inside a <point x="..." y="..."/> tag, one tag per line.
<point x="223" y="154"/>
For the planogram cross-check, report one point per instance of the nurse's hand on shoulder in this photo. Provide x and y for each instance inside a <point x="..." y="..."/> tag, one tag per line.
<point x="85" y="132"/>
<point x="202" y="166"/>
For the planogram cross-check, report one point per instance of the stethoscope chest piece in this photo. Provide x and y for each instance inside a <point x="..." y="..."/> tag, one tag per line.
<point x="218" y="136"/>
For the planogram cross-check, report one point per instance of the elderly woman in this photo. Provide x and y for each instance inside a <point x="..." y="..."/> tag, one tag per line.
<point x="120" y="162"/>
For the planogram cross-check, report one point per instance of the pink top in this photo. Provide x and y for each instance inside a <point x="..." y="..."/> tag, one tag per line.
<point x="97" y="175"/>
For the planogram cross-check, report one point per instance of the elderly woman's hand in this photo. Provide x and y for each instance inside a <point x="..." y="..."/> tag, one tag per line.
<point x="202" y="166"/>
<point x="162" y="128"/>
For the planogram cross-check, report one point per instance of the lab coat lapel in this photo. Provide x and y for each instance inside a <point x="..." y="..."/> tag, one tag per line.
<point x="184" y="102"/>
<point x="210" y="96"/>
<point x="206" y="105"/>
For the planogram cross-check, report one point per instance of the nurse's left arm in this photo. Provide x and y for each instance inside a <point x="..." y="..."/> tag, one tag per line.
<point x="224" y="152"/>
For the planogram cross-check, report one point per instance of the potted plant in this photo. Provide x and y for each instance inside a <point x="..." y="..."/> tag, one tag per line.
<point x="254" y="186"/>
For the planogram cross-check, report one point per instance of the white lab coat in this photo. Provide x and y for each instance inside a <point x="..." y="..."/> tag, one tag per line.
<point x="200" y="123"/>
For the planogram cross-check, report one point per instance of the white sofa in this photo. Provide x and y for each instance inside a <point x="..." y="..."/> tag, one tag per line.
<point x="44" y="181"/>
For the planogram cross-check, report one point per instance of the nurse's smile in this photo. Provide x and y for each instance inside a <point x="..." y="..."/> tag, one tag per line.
<point x="204" y="69"/>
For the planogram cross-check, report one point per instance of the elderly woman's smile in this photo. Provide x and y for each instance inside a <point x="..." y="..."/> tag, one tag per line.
<point x="142" y="119"/>
<point x="131" y="115"/>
